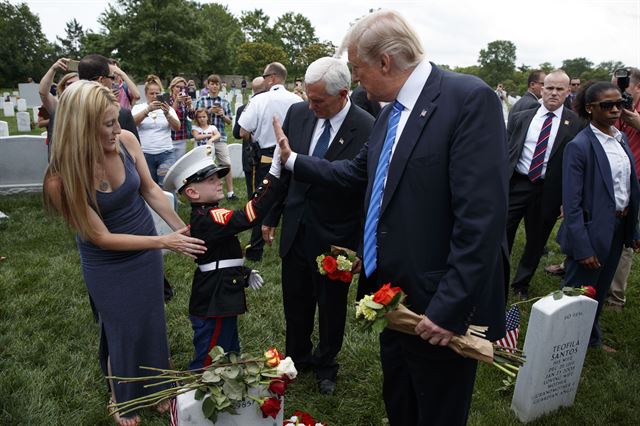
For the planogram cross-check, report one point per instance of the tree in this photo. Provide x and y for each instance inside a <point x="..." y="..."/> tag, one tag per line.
<point x="497" y="61"/>
<point x="547" y="67"/>
<point x="255" y="26"/>
<point x="152" y="36"/>
<point x="296" y="33"/>
<point x="313" y="52"/>
<point x="254" y="56"/>
<point x="71" y="45"/>
<point x="26" y="52"/>
<point x="219" y="40"/>
<point x="576" y="67"/>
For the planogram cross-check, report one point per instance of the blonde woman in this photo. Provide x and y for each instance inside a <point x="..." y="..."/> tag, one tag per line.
<point x="155" y="119"/>
<point x="182" y="104"/>
<point x="98" y="181"/>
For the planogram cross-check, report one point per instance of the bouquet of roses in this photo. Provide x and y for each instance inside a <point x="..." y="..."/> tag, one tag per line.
<point x="301" y="418"/>
<point x="385" y="309"/>
<point x="221" y="385"/>
<point x="337" y="264"/>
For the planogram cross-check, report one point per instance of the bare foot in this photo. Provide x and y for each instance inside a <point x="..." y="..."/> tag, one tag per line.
<point x="120" y="420"/>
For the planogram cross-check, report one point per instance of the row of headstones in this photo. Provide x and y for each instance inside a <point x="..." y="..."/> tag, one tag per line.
<point x="23" y="119"/>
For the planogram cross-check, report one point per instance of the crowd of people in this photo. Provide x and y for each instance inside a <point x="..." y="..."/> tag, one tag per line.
<point x="415" y="171"/>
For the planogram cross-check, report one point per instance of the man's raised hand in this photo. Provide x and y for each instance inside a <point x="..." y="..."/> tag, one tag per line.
<point x="283" y="142"/>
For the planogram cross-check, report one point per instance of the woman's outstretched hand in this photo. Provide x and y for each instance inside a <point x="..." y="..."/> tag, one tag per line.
<point x="180" y="242"/>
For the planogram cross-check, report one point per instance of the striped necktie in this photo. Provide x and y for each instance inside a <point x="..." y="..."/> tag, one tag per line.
<point x="377" y="191"/>
<point x="537" y="162"/>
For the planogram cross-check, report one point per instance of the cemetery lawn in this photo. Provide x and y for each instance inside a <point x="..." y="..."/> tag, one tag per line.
<point x="49" y="341"/>
<point x="12" y="122"/>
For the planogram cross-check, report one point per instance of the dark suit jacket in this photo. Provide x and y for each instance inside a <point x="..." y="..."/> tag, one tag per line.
<point x="359" y="97"/>
<point x="570" y="125"/>
<point x="330" y="216"/>
<point x="588" y="199"/>
<point x="527" y="101"/>
<point x="441" y="231"/>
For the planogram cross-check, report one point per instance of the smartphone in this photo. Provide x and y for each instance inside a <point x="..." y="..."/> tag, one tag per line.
<point x="163" y="97"/>
<point x="72" y="65"/>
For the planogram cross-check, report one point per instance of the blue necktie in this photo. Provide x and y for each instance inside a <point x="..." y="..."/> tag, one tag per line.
<point x="323" y="141"/>
<point x="537" y="162"/>
<point x="377" y="191"/>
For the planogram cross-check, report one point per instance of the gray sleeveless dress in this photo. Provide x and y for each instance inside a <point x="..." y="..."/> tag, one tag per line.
<point x="126" y="287"/>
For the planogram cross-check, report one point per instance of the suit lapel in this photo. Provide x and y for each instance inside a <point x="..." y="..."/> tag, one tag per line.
<point x="343" y="137"/>
<point x="603" y="163"/>
<point x="563" y="128"/>
<point x="308" y="126"/>
<point x="422" y="111"/>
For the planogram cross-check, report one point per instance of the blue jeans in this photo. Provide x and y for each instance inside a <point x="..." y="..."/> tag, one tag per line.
<point x="159" y="164"/>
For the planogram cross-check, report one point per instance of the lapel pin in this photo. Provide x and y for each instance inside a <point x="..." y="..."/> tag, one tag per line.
<point x="423" y="113"/>
<point x="341" y="141"/>
<point x="566" y="122"/>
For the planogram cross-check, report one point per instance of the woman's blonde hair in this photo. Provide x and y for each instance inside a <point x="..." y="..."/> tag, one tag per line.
<point x="152" y="79"/>
<point x="76" y="151"/>
<point x="64" y="82"/>
<point x="175" y="82"/>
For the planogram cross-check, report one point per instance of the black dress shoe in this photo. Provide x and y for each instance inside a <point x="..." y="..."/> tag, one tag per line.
<point x="327" y="386"/>
<point x="521" y="294"/>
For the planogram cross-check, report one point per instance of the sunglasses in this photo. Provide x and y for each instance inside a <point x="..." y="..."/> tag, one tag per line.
<point x="575" y="84"/>
<point x="608" y="105"/>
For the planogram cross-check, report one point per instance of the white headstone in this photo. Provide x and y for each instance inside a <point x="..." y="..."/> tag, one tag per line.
<point x="29" y="92"/>
<point x="4" y="128"/>
<point x="555" y="347"/>
<point x="14" y="100"/>
<point x="22" y="104"/>
<point x="3" y="216"/>
<point x="190" y="413"/>
<point x="35" y="114"/>
<point x="24" y="121"/>
<point x="235" y="152"/>
<point x="1" y="103"/>
<point x="5" y="94"/>
<point x="162" y="227"/>
<point x="8" y="109"/>
<point x="15" y="93"/>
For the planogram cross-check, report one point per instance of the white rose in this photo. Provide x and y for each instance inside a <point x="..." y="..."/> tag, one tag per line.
<point x="287" y="368"/>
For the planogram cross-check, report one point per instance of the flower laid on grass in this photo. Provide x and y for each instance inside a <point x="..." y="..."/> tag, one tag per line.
<point x="221" y="385"/>
<point x="588" y="291"/>
<point x="301" y="418"/>
<point x="385" y="309"/>
<point x="337" y="264"/>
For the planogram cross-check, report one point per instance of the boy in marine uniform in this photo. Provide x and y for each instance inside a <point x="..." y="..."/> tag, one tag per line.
<point x="217" y="292"/>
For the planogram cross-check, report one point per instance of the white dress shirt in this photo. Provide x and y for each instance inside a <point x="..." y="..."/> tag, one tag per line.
<point x="619" y="163"/>
<point x="532" y="139"/>
<point x="336" y="122"/>
<point x="257" y="117"/>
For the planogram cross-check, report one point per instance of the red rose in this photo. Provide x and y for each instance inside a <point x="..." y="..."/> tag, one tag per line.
<point x="270" y="407"/>
<point x="386" y="294"/>
<point x="329" y="264"/>
<point x="589" y="291"/>
<point x="278" y="387"/>
<point x="305" y="418"/>
<point x="273" y="357"/>
<point x="335" y="275"/>
<point x="346" y="276"/>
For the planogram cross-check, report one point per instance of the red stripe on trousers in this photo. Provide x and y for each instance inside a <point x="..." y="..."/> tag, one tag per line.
<point x="214" y="340"/>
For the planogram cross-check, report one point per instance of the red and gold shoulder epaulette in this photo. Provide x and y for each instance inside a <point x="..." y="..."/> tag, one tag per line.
<point x="221" y="216"/>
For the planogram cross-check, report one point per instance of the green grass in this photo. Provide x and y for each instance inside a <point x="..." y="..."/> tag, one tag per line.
<point x="12" y="122"/>
<point x="48" y="340"/>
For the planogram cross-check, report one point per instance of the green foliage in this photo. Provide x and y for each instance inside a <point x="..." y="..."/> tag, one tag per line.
<point x="71" y="44"/>
<point x="497" y="61"/>
<point x="296" y="33"/>
<point x="255" y="26"/>
<point x="253" y="57"/>
<point x="576" y="67"/>
<point x="26" y="51"/>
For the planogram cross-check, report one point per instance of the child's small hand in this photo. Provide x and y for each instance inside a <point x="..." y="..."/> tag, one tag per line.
<point x="255" y="280"/>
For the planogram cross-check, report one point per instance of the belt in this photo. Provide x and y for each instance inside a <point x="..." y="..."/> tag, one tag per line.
<point x="622" y="213"/>
<point x="221" y="264"/>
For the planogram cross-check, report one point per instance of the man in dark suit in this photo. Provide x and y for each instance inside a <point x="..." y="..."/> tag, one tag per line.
<point x="531" y="97"/>
<point x="359" y="97"/>
<point x="435" y="179"/>
<point x="315" y="217"/>
<point x="536" y="144"/>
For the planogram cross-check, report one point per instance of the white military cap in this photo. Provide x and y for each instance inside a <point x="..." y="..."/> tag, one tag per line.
<point x="194" y="166"/>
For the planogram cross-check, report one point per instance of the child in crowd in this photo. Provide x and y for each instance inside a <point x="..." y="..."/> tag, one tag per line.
<point x="205" y="133"/>
<point x="217" y="292"/>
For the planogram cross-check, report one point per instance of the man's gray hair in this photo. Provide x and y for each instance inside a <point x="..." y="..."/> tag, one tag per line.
<point x="332" y="71"/>
<point x="384" y="31"/>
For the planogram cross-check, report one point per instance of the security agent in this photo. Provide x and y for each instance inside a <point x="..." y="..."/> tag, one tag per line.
<point x="217" y="292"/>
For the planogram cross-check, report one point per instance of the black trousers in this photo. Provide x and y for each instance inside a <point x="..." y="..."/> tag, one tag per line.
<point x="302" y="289"/>
<point x="424" y="385"/>
<point x="525" y="201"/>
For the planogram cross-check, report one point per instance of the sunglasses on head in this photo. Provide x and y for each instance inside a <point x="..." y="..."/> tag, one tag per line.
<point x="608" y="105"/>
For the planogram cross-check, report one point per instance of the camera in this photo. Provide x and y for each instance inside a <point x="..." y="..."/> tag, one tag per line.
<point x="622" y="77"/>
